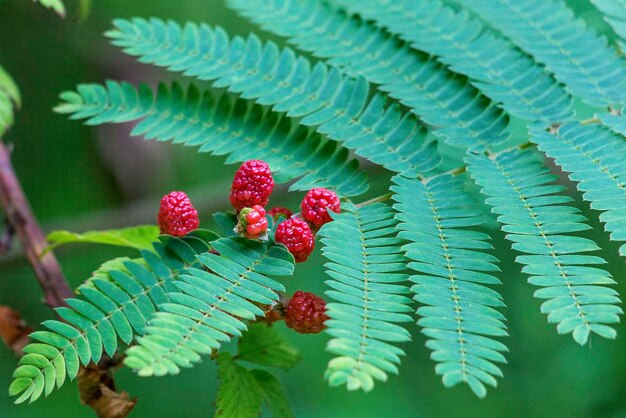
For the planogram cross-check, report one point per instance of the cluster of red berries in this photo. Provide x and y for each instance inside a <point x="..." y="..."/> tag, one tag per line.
<point x="250" y="192"/>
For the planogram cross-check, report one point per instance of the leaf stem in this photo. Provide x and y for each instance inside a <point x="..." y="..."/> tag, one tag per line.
<point x="381" y="198"/>
<point x="590" y="121"/>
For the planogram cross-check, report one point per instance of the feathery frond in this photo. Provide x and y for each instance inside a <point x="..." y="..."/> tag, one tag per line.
<point x="226" y="126"/>
<point x="503" y="72"/>
<point x="549" y="31"/>
<point x="458" y="111"/>
<point x="459" y="314"/>
<point x="368" y="288"/>
<point x="539" y="224"/>
<point x="615" y="16"/>
<point x="596" y="159"/>
<point x="335" y="105"/>
<point x="109" y="310"/>
<point x="210" y="304"/>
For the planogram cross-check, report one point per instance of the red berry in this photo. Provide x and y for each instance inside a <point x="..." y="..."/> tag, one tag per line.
<point x="296" y="235"/>
<point x="315" y="206"/>
<point x="252" y="185"/>
<point x="177" y="216"/>
<point x="279" y="210"/>
<point x="306" y="313"/>
<point x="252" y="222"/>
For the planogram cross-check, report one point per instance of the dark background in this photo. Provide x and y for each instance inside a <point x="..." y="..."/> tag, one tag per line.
<point x="82" y="178"/>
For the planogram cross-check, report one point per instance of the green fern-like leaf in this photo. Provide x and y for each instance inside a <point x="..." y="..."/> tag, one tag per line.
<point x="499" y="69"/>
<point x="367" y="286"/>
<point x="439" y="97"/>
<point x="596" y="159"/>
<point x="615" y="16"/>
<point x="112" y="309"/>
<point x="223" y="126"/>
<point x="540" y="226"/>
<point x="210" y="305"/>
<point x="335" y="105"/>
<point x="452" y="270"/>
<point x="549" y="31"/>
<point x="616" y="122"/>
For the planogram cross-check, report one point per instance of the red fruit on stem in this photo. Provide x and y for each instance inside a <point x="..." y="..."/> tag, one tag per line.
<point x="316" y="204"/>
<point x="279" y="210"/>
<point x="296" y="235"/>
<point x="252" y="185"/>
<point x="306" y="313"/>
<point x="177" y="216"/>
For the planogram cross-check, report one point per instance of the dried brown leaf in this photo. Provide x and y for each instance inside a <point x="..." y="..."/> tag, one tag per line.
<point x="13" y="329"/>
<point x="97" y="389"/>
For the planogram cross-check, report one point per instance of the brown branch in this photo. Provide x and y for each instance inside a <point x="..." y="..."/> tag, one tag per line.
<point x="20" y="219"/>
<point x="6" y="240"/>
<point x="95" y="381"/>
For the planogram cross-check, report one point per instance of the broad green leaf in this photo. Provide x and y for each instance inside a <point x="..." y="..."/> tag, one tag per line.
<point x="137" y="237"/>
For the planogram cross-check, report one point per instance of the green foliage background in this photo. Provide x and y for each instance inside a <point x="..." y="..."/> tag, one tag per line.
<point x="71" y="187"/>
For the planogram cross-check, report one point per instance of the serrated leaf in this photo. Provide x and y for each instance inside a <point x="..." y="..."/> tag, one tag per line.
<point x="273" y="394"/>
<point x="265" y="345"/>
<point x="239" y="394"/>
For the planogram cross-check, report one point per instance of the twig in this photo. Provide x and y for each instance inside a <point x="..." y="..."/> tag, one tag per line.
<point x="6" y="240"/>
<point x="20" y="217"/>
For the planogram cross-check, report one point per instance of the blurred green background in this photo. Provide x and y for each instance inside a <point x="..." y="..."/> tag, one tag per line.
<point x="81" y="178"/>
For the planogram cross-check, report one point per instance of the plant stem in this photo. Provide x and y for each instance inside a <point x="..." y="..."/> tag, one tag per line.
<point x="381" y="198"/>
<point x="590" y="121"/>
<point x="20" y="219"/>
